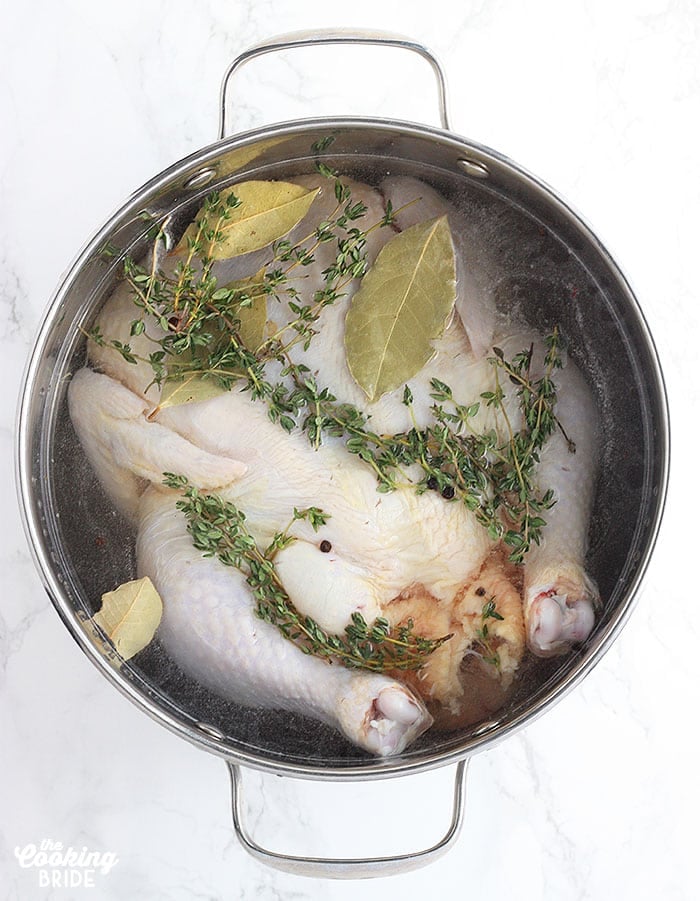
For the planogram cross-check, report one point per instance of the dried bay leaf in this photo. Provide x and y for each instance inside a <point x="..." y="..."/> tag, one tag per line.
<point x="253" y="319"/>
<point x="252" y="314"/>
<point x="403" y="304"/>
<point x="237" y="159"/>
<point x="189" y="390"/>
<point x="268" y="210"/>
<point x="130" y="615"/>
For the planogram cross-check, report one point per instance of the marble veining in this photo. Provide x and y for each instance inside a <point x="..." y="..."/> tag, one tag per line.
<point x="595" y="800"/>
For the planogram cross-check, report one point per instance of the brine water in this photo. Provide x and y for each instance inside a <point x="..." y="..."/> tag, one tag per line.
<point x="537" y="274"/>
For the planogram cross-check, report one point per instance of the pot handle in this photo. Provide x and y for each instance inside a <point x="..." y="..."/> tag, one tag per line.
<point x="354" y="867"/>
<point x="334" y="36"/>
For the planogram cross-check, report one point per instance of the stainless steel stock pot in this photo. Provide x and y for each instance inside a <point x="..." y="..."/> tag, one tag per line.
<point x="554" y="268"/>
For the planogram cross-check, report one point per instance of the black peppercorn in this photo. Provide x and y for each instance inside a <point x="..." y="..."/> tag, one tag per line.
<point x="432" y="483"/>
<point x="325" y="546"/>
<point x="448" y="492"/>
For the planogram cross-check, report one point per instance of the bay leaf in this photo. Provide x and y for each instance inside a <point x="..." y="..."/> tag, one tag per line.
<point x="268" y="210"/>
<point x="403" y="304"/>
<point x="130" y="615"/>
<point x="188" y="390"/>
<point x="234" y="160"/>
<point x="253" y="316"/>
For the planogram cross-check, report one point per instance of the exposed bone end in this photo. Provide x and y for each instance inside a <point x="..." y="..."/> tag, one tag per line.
<point x="560" y="614"/>
<point x="380" y="715"/>
<point x="395" y="720"/>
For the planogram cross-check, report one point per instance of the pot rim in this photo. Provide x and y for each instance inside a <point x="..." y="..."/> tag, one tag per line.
<point x="206" y="736"/>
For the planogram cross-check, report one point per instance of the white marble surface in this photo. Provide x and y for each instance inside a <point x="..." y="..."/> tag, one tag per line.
<point x="599" y="798"/>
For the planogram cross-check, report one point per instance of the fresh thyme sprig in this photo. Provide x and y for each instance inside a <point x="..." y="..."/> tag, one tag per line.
<point x="515" y="471"/>
<point x="218" y="528"/>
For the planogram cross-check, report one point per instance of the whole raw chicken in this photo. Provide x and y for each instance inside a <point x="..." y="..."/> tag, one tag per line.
<point x="399" y="555"/>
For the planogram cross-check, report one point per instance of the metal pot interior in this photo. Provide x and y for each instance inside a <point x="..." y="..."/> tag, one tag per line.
<point x="553" y="269"/>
